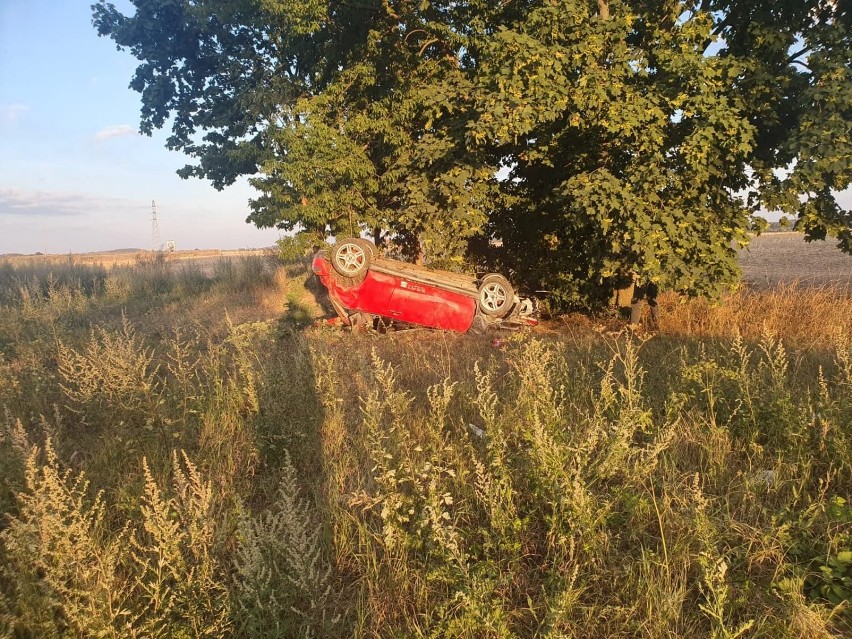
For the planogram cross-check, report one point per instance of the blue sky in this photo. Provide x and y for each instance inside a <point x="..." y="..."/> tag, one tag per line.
<point x="74" y="174"/>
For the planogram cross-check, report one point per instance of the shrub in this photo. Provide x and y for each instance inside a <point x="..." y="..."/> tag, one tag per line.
<point x="116" y="373"/>
<point x="59" y="558"/>
<point x="283" y="583"/>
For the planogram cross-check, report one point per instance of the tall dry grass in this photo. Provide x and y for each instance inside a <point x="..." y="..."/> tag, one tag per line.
<point x="170" y="469"/>
<point x="812" y="316"/>
<point x="500" y="503"/>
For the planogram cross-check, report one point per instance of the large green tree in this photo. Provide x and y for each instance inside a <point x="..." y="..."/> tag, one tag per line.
<point x="322" y="102"/>
<point x="642" y="135"/>
<point x="630" y="137"/>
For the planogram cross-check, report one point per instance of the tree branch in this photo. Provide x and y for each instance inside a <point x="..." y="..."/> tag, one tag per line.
<point x="427" y="44"/>
<point x="727" y="22"/>
<point x="798" y="53"/>
<point x="411" y="33"/>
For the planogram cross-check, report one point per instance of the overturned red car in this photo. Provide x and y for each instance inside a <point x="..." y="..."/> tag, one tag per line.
<point x="363" y="286"/>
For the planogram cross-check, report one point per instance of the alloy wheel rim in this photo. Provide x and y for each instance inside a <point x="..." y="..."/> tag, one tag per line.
<point x="493" y="297"/>
<point x="350" y="258"/>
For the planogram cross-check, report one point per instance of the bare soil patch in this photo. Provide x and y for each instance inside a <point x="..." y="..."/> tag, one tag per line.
<point x="774" y="259"/>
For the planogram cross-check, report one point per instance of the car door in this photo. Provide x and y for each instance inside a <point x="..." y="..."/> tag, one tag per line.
<point x="419" y="303"/>
<point x="413" y="302"/>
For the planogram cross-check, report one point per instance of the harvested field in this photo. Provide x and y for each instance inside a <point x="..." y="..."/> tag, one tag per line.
<point x="123" y="257"/>
<point x="774" y="259"/>
<point x="205" y="261"/>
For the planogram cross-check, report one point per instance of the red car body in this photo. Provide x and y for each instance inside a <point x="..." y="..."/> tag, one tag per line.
<point x="402" y="292"/>
<point x="362" y="284"/>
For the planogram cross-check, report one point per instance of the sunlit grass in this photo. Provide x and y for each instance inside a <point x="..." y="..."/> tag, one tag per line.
<point x="180" y="457"/>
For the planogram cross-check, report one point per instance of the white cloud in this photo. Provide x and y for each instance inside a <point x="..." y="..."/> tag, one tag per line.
<point x="20" y="203"/>
<point x="10" y="113"/>
<point x="116" y="131"/>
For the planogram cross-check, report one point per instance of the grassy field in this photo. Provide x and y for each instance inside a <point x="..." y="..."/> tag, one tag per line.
<point x="185" y="454"/>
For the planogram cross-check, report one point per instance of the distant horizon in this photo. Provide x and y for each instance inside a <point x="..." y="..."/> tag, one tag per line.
<point x="118" y="251"/>
<point x="75" y="173"/>
<point x="771" y="230"/>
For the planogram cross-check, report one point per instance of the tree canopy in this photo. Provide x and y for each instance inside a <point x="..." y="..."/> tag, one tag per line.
<point x="590" y="138"/>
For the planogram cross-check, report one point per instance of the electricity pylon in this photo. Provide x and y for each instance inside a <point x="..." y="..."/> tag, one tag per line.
<point x="156" y="243"/>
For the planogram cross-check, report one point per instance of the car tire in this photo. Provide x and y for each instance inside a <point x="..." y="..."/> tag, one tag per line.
<point x="496" y="296"/>
<point x="479" y="325"/>
<point x="361" y="321"/>
<point x="528" y="307"/>
<point x="370" y="245"/>
<point x="351" y="258"/>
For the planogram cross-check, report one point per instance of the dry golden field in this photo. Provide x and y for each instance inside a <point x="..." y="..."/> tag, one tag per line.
<point x="129" y="257"/>
<point x="796" y="290"/>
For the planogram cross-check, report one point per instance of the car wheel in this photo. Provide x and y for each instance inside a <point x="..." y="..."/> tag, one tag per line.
<point x="370" y="246"/>
<point x="527" y="308"/>
<point x="351" y="258"/>
<point x="361" y="321"/>
<point x="479" y="325"/>
<point x="495" y="295"/>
